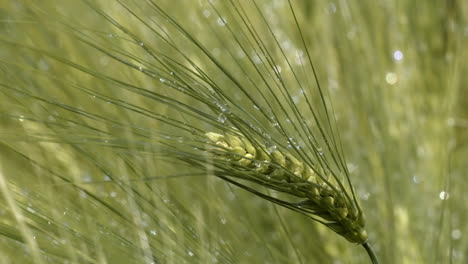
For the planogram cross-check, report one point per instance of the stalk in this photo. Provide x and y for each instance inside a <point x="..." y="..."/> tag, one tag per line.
<point x="370" y="252"/>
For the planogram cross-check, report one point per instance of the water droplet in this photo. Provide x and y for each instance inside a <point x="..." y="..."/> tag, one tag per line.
<point x="398" y="55"/>
<point x="365" y="196"/>
<point x="451" y="121"/>
<point x="257" y="163"/>
<point x="223" y="220"/>
<point x="274" y="122"/>
<point x="141" y="43"/>
<point x="21" y="118"/>
<point x="140" y="68"/>
<point x="277" y="69"/>
<point x="286" y="45"/>
<point x="256" y="59"/>
<point x="222" y="107"/>
<point x="330" y="9"/>
<point x="83" y="195"/>
<point x="153" y="232"/>
<point x="222" y="118"/>
<point x="162" y="80"/>
<point x="270" y="147"/>
<point x="456" y="234"/>
<point x="104" y="60"/>
<point x="443" y="195"/>
<point x="296" y="99"/>
<point x="241" y="54"/>
<point x="87" y="178"/>
<point x="190" y="253"/>
<point x="206" y="13"/>
<point x="320" y="151"/>
<point x="43" y="65"/>
<point x="221" y="21"/>
<point x="391" y="78"/>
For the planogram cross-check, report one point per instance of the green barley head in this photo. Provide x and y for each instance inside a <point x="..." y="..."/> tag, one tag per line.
<point x="226" y="91"/>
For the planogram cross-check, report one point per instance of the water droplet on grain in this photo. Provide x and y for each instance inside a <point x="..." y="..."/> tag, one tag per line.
<point x="222" y="118"/>
<point x="206" y="13"/>
<point x="257" y="163"/>
<point x="256" y="59"/>
<point x="190" y="253"/>
<point x="270" y="147"/>
<point x="296" y="99"/>
<point x="277" y="69"/>
<point x="320" y="151"/>
<point x="221" y="21"/>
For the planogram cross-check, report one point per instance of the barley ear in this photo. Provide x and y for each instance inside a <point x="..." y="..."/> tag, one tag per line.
<point x="326" y="201"/>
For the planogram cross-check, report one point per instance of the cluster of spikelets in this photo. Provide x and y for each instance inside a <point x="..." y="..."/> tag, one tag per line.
<point x="283" y="172"/>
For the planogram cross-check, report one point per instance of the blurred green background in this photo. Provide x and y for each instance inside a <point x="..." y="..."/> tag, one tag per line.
<point x="90" y="91"/>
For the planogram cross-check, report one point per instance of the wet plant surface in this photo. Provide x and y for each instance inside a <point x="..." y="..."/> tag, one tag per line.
<point x="233" y="131"/>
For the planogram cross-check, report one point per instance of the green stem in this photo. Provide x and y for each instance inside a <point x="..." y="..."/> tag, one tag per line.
<point x="371" y="253"/>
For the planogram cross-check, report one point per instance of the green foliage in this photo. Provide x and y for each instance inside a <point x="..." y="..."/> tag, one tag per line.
<point x="104" y="107"/>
